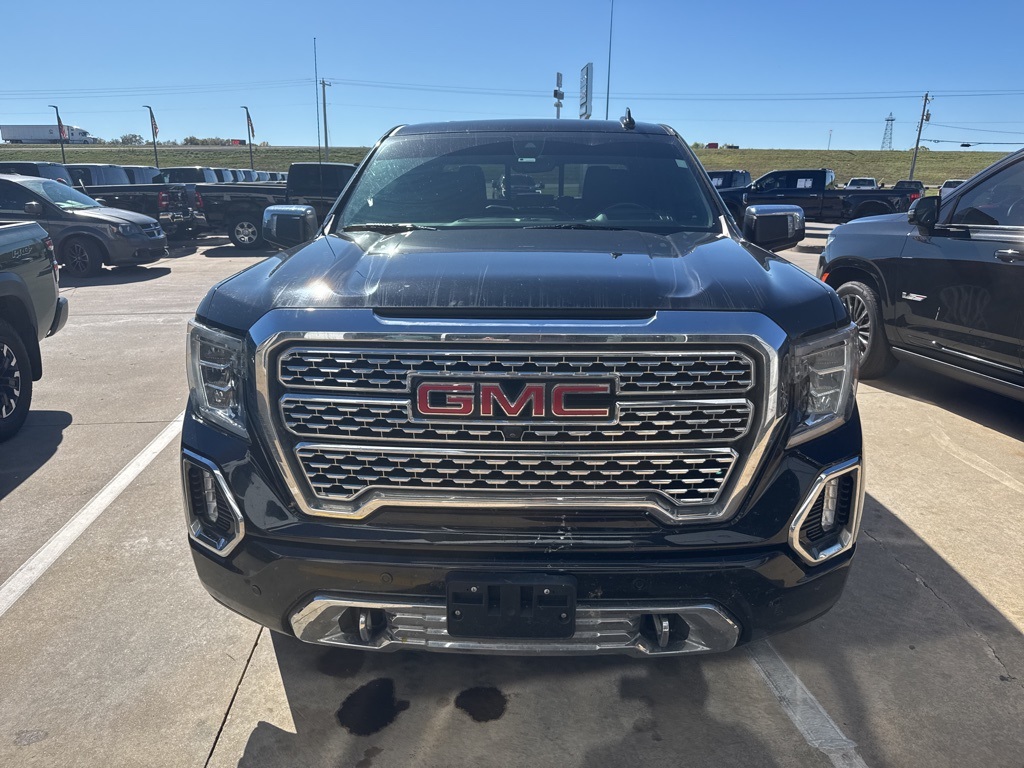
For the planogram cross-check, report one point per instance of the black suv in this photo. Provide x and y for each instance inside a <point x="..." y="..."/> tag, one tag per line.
<point x="594" y="418"/>
<point x="942" y="286"/>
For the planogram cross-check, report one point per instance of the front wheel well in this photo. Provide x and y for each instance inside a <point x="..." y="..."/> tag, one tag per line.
<point x="84" y="236"/>
<point x="836" y="277"/>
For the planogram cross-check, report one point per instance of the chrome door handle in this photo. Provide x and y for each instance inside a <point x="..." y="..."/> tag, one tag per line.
<point x="1009" y="255"/>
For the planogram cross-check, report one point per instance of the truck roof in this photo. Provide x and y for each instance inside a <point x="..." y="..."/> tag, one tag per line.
<point x="551" y="125"/>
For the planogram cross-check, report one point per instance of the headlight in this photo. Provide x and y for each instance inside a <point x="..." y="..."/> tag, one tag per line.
<point x="215" y="376"/>
<point x="122" y="229"/>
<point x="823" y="380"/>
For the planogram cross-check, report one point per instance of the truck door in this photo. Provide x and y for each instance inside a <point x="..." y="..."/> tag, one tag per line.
<point x="960" y="288"/>
<point x="801" y="188"/>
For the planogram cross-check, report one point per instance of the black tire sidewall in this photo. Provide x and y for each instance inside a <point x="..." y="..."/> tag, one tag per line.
<point x="10" y="426"/>
<point x="878" y="359"/>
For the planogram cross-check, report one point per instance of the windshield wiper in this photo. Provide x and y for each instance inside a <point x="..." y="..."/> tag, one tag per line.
<point x="385" y="229"/>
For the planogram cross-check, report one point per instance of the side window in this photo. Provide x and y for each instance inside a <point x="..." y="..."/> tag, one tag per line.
<point x="997" y="201"/>
<point x="13" y="197"/>
<point x="804" y="182"/>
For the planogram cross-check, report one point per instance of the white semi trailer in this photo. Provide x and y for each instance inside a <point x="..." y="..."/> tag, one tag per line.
<point x="44" y="134"/>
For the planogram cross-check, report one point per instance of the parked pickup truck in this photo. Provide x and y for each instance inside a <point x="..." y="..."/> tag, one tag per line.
<point x="815" y="192"/>
<point x="238" y="208"/>
<point x="592" y="419"/>
<point x="30" y="310"/>
<point x="111" y="186"/>
<point x="86" y="235"/>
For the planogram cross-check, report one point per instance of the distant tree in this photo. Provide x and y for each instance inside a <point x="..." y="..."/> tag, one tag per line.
<point x="131" y="140"/>
<point x="263" y="144"/>
<point x="698" y="145"/>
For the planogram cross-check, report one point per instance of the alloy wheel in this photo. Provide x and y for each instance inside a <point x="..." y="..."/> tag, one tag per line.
<point x="10" y="381"/>
<point x="858" y="309"/>
<point x="77" y="258"/>
<point x="246" y="232"/>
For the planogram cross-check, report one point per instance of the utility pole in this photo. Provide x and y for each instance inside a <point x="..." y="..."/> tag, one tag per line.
<point x="60" y="135"/>
<point x="559" y="94"/>
<point x="155" y="131"/>
<point x="251" y="134"/>
<point x="327" y="145"/>
<point x="925" y="117"/>
<point x="829" y="147"/>
<point x="608" y="89"/>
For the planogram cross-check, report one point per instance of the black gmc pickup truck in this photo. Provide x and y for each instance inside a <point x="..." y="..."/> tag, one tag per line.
<point x="238" y="208"/>
<point x="594" y="418"/>
<point x="814" y="191"/>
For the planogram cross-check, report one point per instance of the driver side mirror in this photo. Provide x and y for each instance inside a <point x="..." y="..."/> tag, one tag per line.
<point x="288" y="225"/>
<point x="33" y="208"/>
<point x="924" y="212"/>
<point x="774" y="227"/>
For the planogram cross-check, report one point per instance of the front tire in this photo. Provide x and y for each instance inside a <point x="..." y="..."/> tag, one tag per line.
<point x="82" y="257"/>
<point x="15" y="381"/>
<point x="244" y="232"/>
<point x="865" y="308"/>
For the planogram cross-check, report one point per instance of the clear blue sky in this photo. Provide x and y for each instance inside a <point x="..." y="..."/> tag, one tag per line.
<point x="756" y="74"/>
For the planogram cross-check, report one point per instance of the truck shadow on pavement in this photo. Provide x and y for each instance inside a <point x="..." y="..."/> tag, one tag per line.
<point x="914" y="664"/>
<point x="28" y="451"/>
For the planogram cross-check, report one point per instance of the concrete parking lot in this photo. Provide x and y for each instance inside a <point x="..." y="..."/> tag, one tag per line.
<point x="112" y="654"/>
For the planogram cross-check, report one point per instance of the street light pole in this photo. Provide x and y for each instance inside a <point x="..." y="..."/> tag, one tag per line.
<point x="251" y="134"/>
<point x="60" y="135"/>
<point x="829" y="147"/>
<point x="153" y="129"/>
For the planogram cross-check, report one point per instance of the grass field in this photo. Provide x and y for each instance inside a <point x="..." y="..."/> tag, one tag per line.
<point x="932" y="167"/>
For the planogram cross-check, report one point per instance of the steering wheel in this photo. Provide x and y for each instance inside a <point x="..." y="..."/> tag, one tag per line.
<point x="1015" y="214"/>
<point x="624" y="211"/>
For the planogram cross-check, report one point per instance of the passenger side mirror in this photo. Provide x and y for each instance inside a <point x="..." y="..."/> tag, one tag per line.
<point x="774" y="227"/>
<point x="288" y="225"/>
<point x="32" y="208"/>
<point x="924" y="212"/>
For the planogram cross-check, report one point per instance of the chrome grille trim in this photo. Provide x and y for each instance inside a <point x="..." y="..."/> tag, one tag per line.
<point x="647" y="422"/>
<point x="755" y="333"/>
<point x="344" y="473"/>
<point x="386" y="371"/>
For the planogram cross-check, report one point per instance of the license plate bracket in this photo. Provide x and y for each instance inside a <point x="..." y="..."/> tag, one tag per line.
<point x="511" y="605"/>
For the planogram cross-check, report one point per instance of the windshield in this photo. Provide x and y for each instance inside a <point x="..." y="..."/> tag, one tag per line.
<point x="61" y="195"/>
<point x="505" y="180"/>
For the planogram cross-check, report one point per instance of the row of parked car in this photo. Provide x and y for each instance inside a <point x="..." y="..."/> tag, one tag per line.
<point x="102" y="214"/>
<point x="738" y="178"/>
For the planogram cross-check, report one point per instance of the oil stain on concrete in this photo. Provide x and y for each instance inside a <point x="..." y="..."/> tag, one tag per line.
<point x="371" y="708"/>
<point x="482" y="704"/>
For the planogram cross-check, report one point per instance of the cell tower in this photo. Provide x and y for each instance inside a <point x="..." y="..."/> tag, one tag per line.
<point x="887" y="136"/>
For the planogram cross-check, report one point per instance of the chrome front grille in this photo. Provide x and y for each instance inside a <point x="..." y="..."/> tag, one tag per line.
<point x="342" y="472"/>
<point x="152" y="230"/>
<point x="653" y="421"/>
<point x="641" y="372"/>
<point x="678" y="433"/>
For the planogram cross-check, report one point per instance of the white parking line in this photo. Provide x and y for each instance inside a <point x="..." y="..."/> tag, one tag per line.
<point x="807" y="714"/>
<point x="30" y="571"/>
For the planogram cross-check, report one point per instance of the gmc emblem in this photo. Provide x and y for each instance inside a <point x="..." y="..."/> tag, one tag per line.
<point x="513" y="399"/>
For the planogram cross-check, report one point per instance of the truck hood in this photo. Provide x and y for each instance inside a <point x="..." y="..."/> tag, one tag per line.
<point x="526" y="273"/>
<point x="114" y="216"/>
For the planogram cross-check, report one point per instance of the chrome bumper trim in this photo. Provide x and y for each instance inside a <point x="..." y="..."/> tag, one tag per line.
<point x="848" y="535"/>
<point x="600" y="629"/>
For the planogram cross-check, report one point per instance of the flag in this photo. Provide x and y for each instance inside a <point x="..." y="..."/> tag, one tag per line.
<point x="152" y="121"/>
<point x="252" y="133"/>
<point x="62" y="129"/>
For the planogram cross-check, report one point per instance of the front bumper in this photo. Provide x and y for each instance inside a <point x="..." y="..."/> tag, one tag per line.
<point x="139" y="249"/>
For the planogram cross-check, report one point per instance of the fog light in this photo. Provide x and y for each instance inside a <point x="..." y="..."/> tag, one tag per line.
<point x="831" y="502"/>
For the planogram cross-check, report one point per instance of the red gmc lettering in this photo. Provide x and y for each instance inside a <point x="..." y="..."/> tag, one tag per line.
<point x="456" y="403"/>
<point x="493" y="393"/>
<point x="559" y="392"/>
